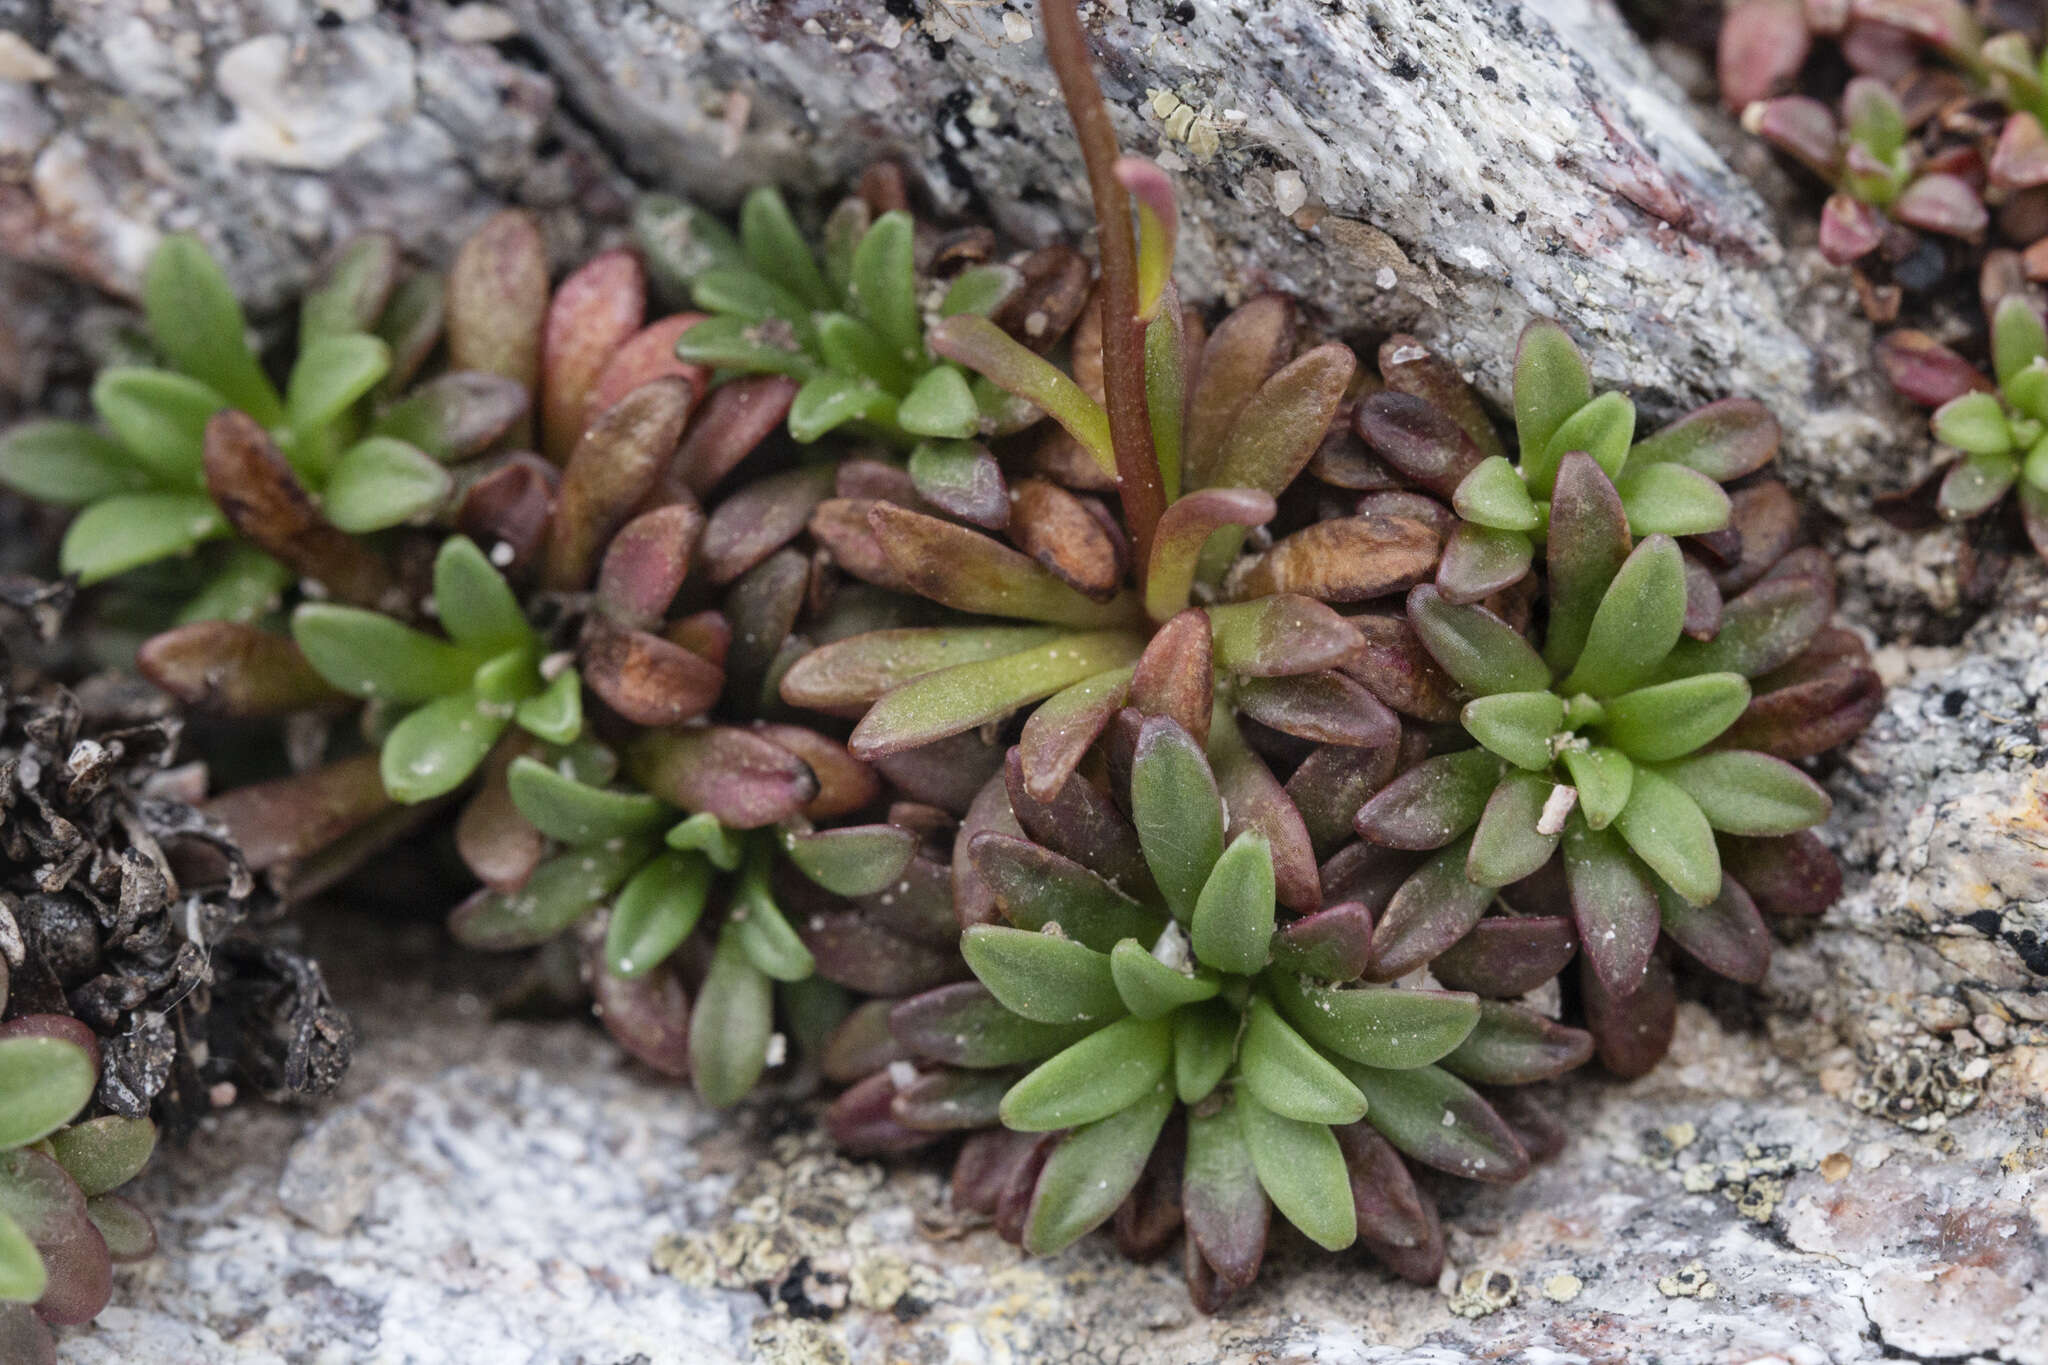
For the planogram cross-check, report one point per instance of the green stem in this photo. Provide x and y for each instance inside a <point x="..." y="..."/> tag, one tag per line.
<point x="1123" y="334"/>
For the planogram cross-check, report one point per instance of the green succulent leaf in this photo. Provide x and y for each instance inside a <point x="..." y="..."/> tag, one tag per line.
<point x="129" y="530"/>
<point x="1044" y="978"/>
<point x="1740" y="792"/>
<point x="66" y="464"/>
<point x="1974" y="422"/>
<point x="197" y="325"/>
<point x="831" y="400"/>
<point x="331" y="376"/>
<point x="159" y="418"/>
<point x="741" y="343"/>
<point x="1668" y="831"/>
<point x="1517" y="726"/>
<point x="1494" y="495"/>
<point x="247" y="586"/>
<point x="1166" y="395"/>
<point x="2018" y="338"/>
<point x="1669" y="720"/>
<point x="1507" y="846"/>
<point x="1011" y="366"/>
<point x="701" y="833"/>
<point x="380" y="482"/>
<point x="884" y="285"/>
<point x="852" y="347"/>
<point x="1637" y="623"/>
<point x="367" y="654"/>
<point x="1875" y="118"/>
<point x="765" y="933"/>
<point x="1232" y="925"/>
<point x="475" y="604"/>
<point x="1763" y="629"/>
<point x="1036" y="887"/>
<point x="979" y="289"/>
<point x="856" y="860"/>
<point x="352" y="295"/>
<point x="1478" y="649"/>
<point x="857" y="670"/>
<point x="1551" y="383"/>
<point x="1178" y="814"/>
<point x="560" y="892"/>
<point x="105" y="1153"/>
<point x="1152" y="989"/>
<point x="731" y="1023"/>
<point x="1603" y="777"/>
<point x="1669" y="499"/>
<point x="654" y="913"/>
<point x="1092" y="1172"/>
<point x="1204" y="1046"/>
<point x="1604" y="428"/>
<point x="575" y="813"/>
<point x="1378" y="1026"/>
<point x="1975" y="483"/>
<point x="1440" y="1121"/>
<point x="1109" y="1070"/>
<point x="682" y="241"/>
<point x="940" y="405"/>
<point x="775" y="247"/>
<point x="1225" y="1206"/>
<point x="555" y="714"/>
<point x="1303" y="1172"/>
<point x="43" y="1083"/>
<point x="1286" y="1074"/>
<point x="435" y="749"/>
<point x="749" y="297"/>
<point x="23" y="1277"/>
<point x="959" y="698"/>
<point x="964" y="1025"/>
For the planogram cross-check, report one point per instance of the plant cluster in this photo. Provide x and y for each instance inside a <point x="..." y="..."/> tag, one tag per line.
<point x="1926" y="118"/>
<point x="1166" y="757"/>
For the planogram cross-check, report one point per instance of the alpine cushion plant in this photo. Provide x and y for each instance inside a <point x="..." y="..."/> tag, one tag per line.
<point x="847" y="320"/>
<point x="288" y="481"/>
<point x="1669" y="482"/>
<point x="1161" y="1048"/>
<point x="1623" y="748"/>
<point x="2002" y="434"/>
<point x="62" y="1227"/>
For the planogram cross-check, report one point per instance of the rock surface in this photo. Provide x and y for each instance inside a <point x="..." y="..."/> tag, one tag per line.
<point x="1848" y="1164"/>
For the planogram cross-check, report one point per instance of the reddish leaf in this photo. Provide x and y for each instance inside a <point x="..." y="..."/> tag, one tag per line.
<point x="644" y="566"/>
<point x="1408" y="367"/>
<point x="497" y="300"/>
<point x="862" y="1043"/>
<point x="1506" y="956"/>
<point x="1434" y="908"/>
<point x="1251" y="343"/>
<point x="1762" y="45"/>
<point x="945" y="773"/>
<point x="233" y="669"/>
<point x="47" y="1205"/>
<point x="974" y="900"/>
<point x="1056" y="529"/>
<point x="1418" y="438"/>
<point x="1767" y="516"/>
<point x="647" y="355"/>
<point x="1275" y="637"/>
<point x="1176" y="675"/>
<point x="1330" y="785"/>
<point x="744" y="779"/>
<point x="857" y="953"/>
<point x="1345" y="559"/>
<point x="1395" y="667"/>
<point x="863" y="1121"/>
<point x="499" y="846"/>
<point x="1517" y="1046"/>
<point x="754" y="522"/>
<point x="1726" y="935"/>
<point x="1850" y="229"/>
<point x="1334" y="944"/>
<point x="648" y="1016"/>
<point x="1325" y="708"/>
<point x="508" y="509"/>
<point x="287" y="819"/>
<point x="615" y="465"/>
<point x="263" y="499"/>
<point x="970" y="572"/>
<point x="1810" y="717"/>
<point x="1945" y="204"/>
<point x="594" y="311"/>
<point x="1082" y="823"/>
<point x="736" y="418"/>
<point x="643" y="677"/>
<point x="1795" y="874"/>
<point x="845" y="784"/>
<point x="1631" y="1032"/>
<point x="1926" y="371"/>
<point x="1059" y="732"/>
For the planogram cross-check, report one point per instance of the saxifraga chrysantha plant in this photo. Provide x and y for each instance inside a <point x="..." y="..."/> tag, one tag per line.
<point x="1159" y="1048"/>
<point x="2002" y="432"/>
<point x="336" y="454"/>
<point x="62" y="1227"/>
<point x="1655" y="767"/>
<point x="615" y="623"/>
<point x="1669" y="482"/>
<point x="847" y="320"/>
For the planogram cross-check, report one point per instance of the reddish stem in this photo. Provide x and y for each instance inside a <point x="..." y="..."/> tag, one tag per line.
<point x="1123" y="334"/>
